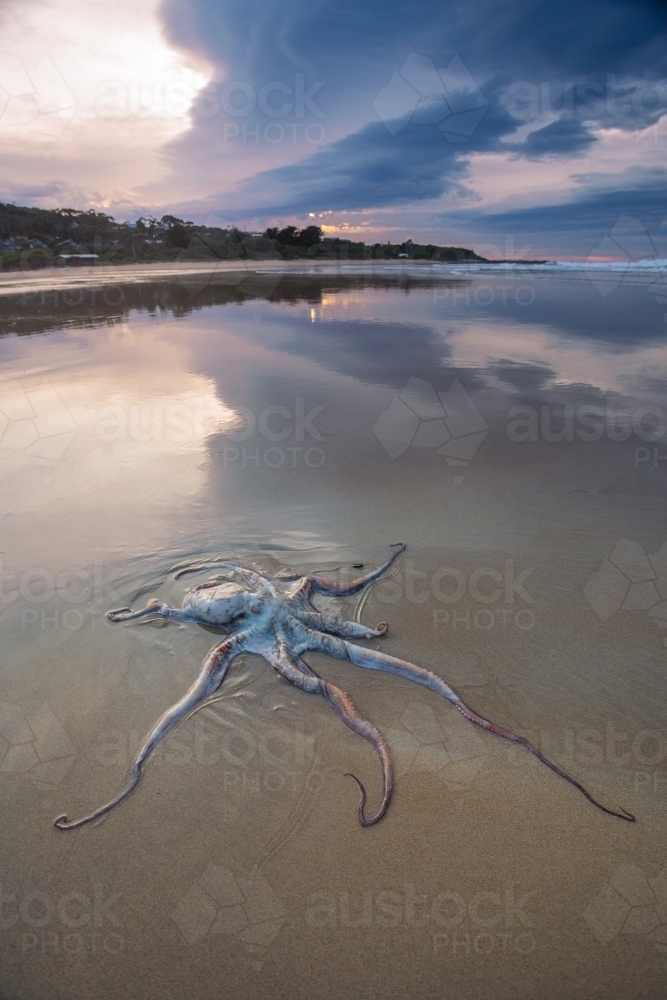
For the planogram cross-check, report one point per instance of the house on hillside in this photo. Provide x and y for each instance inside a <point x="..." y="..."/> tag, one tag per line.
<point x="65" y="259"/>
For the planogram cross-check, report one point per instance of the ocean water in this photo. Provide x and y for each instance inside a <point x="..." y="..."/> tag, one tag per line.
<point x="509" y="425"/>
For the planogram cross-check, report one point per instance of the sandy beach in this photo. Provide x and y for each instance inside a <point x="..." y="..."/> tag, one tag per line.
<point x="605" y="276"/>
<point x="13" y="282"/>
<point x="164" y="427"/>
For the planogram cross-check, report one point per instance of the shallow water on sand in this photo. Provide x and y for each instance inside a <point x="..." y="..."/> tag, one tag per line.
<point x="511" y="430"/>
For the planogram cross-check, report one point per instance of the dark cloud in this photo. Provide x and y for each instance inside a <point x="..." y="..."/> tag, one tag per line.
<point x="564" y="137"/>
<point x="592" y="212"/>
<point x="374" y="168"/>
<point x="370" y="168"/>
<point x="343" y="40"/>
<point x="568" y="69"/>
<point x="602" y="67"/>
<point x="377" y="166"/>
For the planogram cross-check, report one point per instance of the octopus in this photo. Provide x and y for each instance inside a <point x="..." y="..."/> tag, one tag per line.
<point x="276" y="619"/>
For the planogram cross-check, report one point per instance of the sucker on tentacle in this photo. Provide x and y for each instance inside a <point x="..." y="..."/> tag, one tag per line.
<point x="277" y="620"/>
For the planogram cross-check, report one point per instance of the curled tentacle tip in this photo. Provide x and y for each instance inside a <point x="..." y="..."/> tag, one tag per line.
<point x="114" y="616"/>
<point x="348" y="774"/>
<point x="61" y="822"/>
<point x="395" y="545"/>
<point x="627" y="815"/>
<point x="362" y="802"/>
<point x="383" y="628"/>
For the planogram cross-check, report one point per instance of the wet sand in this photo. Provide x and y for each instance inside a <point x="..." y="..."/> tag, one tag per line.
<point x="199" y="274"/>
<point x="165" y="427"/>
<point x="13" y="282"/>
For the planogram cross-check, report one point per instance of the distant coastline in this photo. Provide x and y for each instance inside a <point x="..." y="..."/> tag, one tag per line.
<point x="35" y="238"/>
<point x="28" y="281"/>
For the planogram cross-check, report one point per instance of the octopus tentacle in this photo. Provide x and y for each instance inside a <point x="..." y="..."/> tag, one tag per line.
<point x="326" y="585"/>
<point x="282" y="660"/>
<point x="344" y="708"/>
<point x="373" y="660"/>
<point x="211" y="677"/>
<point x="154" y="609"/>
<point x="304" y="676"/>
<point x="479" y="720"/>
<point x="62" y="823"/>
<point x="338" y="626"/>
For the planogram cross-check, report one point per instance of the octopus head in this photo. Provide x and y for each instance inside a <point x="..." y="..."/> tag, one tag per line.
<point x="229" y="602"/>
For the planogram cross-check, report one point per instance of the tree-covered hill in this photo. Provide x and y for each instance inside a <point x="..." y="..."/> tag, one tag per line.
<point x="38" y="237"/>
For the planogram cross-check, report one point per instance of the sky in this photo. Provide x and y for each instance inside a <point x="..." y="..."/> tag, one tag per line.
<point x="520" y="128"/>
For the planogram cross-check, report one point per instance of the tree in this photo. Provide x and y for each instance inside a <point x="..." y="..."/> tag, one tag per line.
<point x="179" y="233"/>
<point x="292" y="236"/>
<point x="310" y="236"/>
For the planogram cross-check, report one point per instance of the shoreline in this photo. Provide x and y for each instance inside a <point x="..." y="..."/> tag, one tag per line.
<point x="43" y="279"/>
<point x="107" y="274"/>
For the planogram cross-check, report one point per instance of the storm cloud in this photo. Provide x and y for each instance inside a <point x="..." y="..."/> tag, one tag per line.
<point x="550" y="86"/>
<point x="446" y="121"/>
